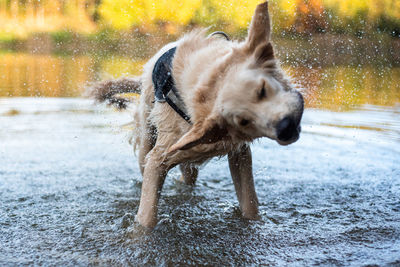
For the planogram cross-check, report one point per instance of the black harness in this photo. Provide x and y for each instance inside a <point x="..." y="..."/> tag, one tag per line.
<point x="164" y="86"/>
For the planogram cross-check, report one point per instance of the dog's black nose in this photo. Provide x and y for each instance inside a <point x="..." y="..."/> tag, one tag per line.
<point x="287" y="129"/>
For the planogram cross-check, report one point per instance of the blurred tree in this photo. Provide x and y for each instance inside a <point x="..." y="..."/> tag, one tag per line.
<point x="310" y="16"/>
<point x="235" y="15"/>
<point x="124" y="14"/>
<point x="22" y="17"/>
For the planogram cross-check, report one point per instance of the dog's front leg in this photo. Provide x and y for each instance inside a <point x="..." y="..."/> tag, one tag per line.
<point x="240" y="165"/>
<point x="153" y="180"/>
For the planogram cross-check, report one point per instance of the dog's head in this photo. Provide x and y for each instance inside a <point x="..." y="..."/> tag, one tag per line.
<point x="255" y="99"/>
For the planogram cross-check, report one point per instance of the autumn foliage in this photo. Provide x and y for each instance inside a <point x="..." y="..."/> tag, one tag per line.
<point x="23" y="17"/>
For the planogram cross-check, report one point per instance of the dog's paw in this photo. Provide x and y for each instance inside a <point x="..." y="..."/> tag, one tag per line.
<point x="147" y="223"/>
<point x="251" y="216"/>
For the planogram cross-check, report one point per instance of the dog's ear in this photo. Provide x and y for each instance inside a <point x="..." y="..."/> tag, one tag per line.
<point x="260" y="27"/>
<point x="206" y="132"/>
<point x="264" y="52"/>
<point x="258" y="38"/>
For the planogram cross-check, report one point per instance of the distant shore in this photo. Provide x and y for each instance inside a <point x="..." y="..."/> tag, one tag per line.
<point x="315" y="50"/>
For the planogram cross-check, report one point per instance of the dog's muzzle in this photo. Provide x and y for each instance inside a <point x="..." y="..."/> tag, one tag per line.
<point x="287" y="130"/>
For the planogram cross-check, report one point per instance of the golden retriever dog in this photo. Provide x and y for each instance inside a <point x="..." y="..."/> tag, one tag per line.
<point x="226" y="94"/>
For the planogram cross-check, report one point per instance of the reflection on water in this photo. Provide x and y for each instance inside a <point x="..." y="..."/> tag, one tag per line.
<point x="56" y="76"/>
<point x="43" y="75"/>
<point x="344" y="87"/>
<point x="335" y="88"/>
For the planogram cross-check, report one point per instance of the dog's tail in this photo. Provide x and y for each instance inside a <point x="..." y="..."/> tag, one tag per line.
<point x="110" y="91"/>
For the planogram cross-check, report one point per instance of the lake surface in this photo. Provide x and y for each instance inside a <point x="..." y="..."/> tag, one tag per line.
<point x="70" y="184"/>
<point x="334" y="88"/>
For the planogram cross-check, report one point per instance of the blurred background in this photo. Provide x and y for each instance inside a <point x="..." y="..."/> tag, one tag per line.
<point x="344" y="52"/>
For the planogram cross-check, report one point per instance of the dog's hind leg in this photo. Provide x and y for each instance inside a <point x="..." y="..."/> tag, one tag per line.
<point x="240" y="165"/>
<point x="189" y="173"/>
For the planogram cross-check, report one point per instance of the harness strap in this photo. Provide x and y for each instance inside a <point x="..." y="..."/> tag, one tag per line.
<point x="220" y="33"/>
<point x="164" y="86"/>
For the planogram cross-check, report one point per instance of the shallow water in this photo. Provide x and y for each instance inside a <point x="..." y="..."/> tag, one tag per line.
<point x="70" y="186"/>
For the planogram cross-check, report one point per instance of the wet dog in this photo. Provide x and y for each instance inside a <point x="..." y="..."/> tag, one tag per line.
<point x="202" y="97"/>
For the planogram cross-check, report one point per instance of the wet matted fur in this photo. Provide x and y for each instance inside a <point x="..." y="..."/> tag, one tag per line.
<point x="234" y="92"/>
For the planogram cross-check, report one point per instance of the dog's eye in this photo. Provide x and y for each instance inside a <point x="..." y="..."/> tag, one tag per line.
<point x="262" y="93"/>
<point x="244" y="122"/>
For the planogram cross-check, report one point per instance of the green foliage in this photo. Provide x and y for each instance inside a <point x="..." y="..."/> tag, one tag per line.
<point x="363" y="16"/>
<point x="62" y="37"/>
